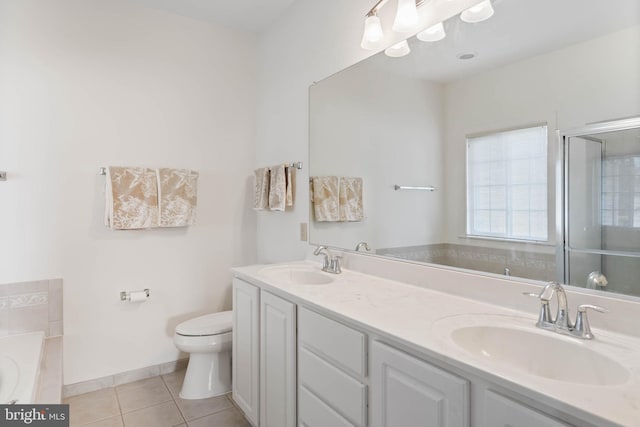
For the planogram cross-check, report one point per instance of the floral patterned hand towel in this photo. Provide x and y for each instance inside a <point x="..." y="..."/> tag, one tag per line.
<point x="326" y="198"/>
<point x="351" y="206"/>
<point x="261" y="189"/>
<point x="278" y="188"/>
<point x="177" y="197"/>
<point x="131" y="198"/>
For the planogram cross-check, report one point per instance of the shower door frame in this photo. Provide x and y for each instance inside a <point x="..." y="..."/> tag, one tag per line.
<point x="562" y="189"/>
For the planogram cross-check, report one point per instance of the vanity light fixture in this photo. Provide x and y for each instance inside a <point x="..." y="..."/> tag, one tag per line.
<point x="406" y="17"/>
<point x="397" y="50"/>
<point x="478" y="13"/>
<point x="432" y="34"/>
<point x="373" y="35"/>
<point x="407" y="20"/>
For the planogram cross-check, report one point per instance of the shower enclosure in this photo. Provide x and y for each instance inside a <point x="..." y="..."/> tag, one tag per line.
<point x="599" y="205"/>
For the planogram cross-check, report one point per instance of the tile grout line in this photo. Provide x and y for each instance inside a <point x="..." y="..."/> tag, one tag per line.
<point x="173" y="398"/>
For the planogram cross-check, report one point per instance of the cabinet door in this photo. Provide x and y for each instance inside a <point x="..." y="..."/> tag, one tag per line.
<point x="277" y="362"/>
<point x="406" y="391"/>
<point x="503" y="412"/>
<point x="246" y="348"/>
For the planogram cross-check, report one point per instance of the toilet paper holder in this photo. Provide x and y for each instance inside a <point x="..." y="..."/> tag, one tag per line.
<point x="126" y="295"/>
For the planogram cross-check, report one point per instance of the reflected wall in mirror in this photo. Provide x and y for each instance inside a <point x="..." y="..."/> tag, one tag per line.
<point x="409" y="121"/>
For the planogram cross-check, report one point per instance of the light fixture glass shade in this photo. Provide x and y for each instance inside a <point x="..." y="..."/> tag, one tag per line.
<point x="478" y="13"/>
<point x="373" y="35"/>
<point x="406" y="16"/>
<point x="398" y="49"/>
<point x="432" y="34"/>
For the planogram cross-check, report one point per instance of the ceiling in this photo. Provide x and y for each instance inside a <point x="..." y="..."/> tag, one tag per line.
<point x="519" y="29"/>
<point x="247" y="15"/>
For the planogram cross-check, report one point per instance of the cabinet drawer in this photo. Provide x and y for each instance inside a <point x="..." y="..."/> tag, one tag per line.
<point x="313" y="412"/>
<point x="340" y="391"/>
<point x="336" y="342"/>
<point x="503" y="412"/>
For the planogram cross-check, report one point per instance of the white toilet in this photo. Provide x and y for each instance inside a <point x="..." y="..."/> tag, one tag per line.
<point x="208" y="340"/>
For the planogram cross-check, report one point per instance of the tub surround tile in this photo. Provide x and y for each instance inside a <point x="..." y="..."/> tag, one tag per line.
<point x="142" y="394"/>
<point x="29" y="319"/>
<point x="163" y="415"/>
<point x="94" y="406"/>
<point x="50" y="379"/>
<point x="227" y="418"/>
<point x="27" y="287"/>
<point x="56" y="329"/>
<point x="31" y="307"/>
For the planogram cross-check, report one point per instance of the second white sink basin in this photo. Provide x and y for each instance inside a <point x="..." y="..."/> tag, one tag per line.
<point x="517" y="345"/>
<point x="301" y="275"/>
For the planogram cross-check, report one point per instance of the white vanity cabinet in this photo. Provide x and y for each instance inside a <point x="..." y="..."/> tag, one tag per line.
<point x="504" y="412"/>
<point x="264" y="356"/>
<point x="332" y="369"/>
<point x="277" y="361"/>
<point x="246" y="349"/>
<point x="407" y="391"/>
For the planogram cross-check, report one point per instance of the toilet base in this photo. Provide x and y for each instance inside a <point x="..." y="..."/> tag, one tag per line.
<point x="208" y="375"/>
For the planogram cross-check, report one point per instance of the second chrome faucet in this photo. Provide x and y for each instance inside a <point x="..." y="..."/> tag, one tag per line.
<point x="331" y="262"/>
<point x="562" y="322"/>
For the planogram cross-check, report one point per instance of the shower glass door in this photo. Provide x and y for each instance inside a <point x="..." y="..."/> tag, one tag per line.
<point x="602" y="207"/>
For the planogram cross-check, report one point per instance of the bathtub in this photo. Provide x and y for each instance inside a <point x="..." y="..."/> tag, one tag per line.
<point x="20" y="358"/>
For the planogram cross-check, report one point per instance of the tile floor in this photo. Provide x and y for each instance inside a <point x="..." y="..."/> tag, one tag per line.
<point x="152" y="402"/>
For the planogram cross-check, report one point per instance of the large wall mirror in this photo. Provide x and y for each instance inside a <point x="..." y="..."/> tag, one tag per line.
<point x="477" y="130"/>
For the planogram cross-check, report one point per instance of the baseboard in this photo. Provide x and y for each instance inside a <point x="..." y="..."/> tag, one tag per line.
<point x="123" y="378"/>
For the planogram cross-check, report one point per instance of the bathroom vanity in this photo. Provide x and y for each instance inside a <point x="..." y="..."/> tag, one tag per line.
<point x="353" y="349"/>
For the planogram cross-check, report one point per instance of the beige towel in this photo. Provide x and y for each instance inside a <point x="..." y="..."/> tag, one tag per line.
<point x="326" y="198"/>
<point x="290" y="175"/>
<point x="351" y="206"/>
<point x="177" y="197"/>
<point x="278" y="188"/>
<point x="131" y="198"/>
<point x="261" y="186"/>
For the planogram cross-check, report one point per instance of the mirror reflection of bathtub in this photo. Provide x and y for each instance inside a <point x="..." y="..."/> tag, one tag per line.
<point x="408" y="121"/>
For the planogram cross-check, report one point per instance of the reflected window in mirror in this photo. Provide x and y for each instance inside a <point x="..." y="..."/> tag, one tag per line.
<point x="507" y="184"/>
<point x="621" y="191"/>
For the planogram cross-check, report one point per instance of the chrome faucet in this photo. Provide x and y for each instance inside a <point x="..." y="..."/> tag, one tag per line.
<point x="362" y="245"/>
<point x="331" y="262"/>
<point x="562" y="322"/>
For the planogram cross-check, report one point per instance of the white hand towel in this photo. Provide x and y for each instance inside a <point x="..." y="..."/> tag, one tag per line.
<point x="278" y="188"/>
<point x="351" y="205"/>
<point x="326" y="198"/>
<point x="261" y="189"/>
<point x="177" y="197"/>
<point x="131" y="198"/>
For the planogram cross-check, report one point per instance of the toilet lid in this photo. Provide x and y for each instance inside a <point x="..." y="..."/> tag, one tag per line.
<point x="210" y="324"/>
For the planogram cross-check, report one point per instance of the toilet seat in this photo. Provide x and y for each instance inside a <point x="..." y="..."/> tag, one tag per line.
<point x="209" y="324"/>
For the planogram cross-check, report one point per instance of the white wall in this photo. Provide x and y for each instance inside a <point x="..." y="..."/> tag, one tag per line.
<point x="90" y="83"/>
<point x="388" y="130"/>
<point x="596" y="80"/>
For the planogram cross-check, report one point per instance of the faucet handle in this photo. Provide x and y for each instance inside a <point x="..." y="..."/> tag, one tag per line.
<point x="582" y="328"/>
<point x="544" y="317"/>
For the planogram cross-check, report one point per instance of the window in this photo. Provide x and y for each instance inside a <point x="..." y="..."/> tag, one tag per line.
<point x="507" y="184"/>
<point x="621" y="191"/>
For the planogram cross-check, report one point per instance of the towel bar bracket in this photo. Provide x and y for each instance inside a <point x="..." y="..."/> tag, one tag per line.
<point x="3" y="176"/>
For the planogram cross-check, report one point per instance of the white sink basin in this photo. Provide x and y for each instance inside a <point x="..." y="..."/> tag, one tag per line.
<point x="545" y="354"/>
<point x="301" y="275"/>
